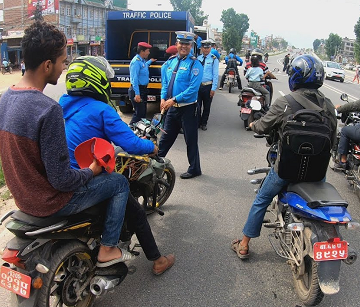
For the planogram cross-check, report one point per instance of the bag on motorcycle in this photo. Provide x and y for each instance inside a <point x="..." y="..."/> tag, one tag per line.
<point x="305" y="144"/>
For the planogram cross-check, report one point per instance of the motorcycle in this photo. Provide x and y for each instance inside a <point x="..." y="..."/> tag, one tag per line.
<point x="6" y="69"/>
<point x="306" y="218"/>
<point x="231" y="79"/>
<point x="51" y="261"/>
<point x="352" y="172"/>
<point x="252" y="105"/>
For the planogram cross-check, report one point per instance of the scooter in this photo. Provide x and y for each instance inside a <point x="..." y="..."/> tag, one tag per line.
<point x="252" y="105"/>
<point x="306" y="218"/>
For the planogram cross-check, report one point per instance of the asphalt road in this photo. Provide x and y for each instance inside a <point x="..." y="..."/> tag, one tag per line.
<point x="204" y="214"/>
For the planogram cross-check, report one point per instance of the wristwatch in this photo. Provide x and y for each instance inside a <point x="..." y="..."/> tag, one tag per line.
<point x="174" y="98"/>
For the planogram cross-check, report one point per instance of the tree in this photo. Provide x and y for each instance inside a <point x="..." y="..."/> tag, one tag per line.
<point x="193" y="6"/>
<point x="316" y="44"/>
<point x="234" y="28"/>
<point x="333" y="45"/>
<point x="357" y="41"/>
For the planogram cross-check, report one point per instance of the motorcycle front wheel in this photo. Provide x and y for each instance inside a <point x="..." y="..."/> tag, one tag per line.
<point x="307" y="285"/>
<point x="71" y="268"/>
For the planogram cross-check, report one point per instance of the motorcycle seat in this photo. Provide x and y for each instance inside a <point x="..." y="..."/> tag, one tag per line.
<point x="318" y="194"/>
<point x="251" y="90"/>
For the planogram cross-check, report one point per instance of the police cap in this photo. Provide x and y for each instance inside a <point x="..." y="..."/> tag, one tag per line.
<point x="184" y="37"/>
<point x="205" y="43"/>
<point x="145" y="45"/>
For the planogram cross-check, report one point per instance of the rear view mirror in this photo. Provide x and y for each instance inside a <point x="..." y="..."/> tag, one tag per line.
<point x="344" y="97"/>
<point x="255" y="105"/>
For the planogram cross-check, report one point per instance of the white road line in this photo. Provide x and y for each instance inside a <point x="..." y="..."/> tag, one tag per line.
<point x="351" y="97"/>
<point x="281" y="93"/>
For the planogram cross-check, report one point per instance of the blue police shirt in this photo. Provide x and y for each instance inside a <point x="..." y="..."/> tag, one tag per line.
<point x="211" y="69"/>
<point x="139" y="72"/>
<point x="215" y="52"/>
<point x="187" y="80"/>
<point x="233" y="56"/>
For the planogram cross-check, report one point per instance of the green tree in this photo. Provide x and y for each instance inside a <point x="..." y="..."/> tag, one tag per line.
<point x="193" y="6"/>
<point x="316" y="44"/>
<point x="357" y="41"/>
<point x="332" y="45"/>
<point x="234" y="28"/>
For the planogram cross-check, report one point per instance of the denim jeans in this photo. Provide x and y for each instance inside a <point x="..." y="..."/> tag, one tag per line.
<point x="113" y="187"/>
<point x="271" y="186"/>
<point x="348" y="133"/>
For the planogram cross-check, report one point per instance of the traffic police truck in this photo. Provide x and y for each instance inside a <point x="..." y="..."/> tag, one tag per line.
<point x="124" y="30"/>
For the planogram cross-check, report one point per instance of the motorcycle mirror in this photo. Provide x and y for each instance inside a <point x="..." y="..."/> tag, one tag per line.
<point x="344" y="97"/>
<point x="255" y="105"/>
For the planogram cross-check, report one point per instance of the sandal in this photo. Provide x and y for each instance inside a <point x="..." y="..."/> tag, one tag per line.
<point x="237" y="248"/>
<point x="125" y="256"/>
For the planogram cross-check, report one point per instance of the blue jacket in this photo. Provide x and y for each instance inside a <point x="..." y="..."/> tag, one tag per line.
<point x="86" y="118"/>
<point x="233" y="56"/>
<point x="216" y="53"/>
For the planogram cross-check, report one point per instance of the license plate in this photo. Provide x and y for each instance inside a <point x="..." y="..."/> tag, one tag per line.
<point x="324" y="251"/>
<point x="151" y="98"/>
<point x="15" y="281"/>
<point x="245" y="110"/>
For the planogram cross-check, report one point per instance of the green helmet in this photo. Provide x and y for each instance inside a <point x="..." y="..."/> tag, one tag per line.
<point x="89" y="76"/>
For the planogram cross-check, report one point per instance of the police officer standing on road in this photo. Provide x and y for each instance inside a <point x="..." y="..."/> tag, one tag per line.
<point x="139" y="79"/>
<point x="181" y="78"/>
<point x="208" y="83"/>
<point x="214" y="50"/>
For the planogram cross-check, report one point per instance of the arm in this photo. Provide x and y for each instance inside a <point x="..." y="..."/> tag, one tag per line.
<point x="215" y="75"/>
<point x="134" y="71"/>
<point x="239" y="60"/>
<point x="349" y="107"/>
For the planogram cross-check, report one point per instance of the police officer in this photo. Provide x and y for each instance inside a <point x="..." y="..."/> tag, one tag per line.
<point x="181" y="78"/>
<point x="214" y="50"/>
<point x="139" y="79"/>
<point x="208" y="83"/>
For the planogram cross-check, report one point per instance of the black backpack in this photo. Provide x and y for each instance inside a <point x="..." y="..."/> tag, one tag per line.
<point x="305" y="144"/>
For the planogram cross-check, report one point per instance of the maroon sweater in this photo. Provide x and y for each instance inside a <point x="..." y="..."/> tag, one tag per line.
<point x="34" y="153"/>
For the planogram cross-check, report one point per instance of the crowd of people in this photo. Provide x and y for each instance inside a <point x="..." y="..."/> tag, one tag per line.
<point x="41" y="138"/>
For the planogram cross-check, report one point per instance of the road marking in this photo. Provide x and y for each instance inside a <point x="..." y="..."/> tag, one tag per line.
<point x="334" y="89"/>
<point x="281" y="93"/>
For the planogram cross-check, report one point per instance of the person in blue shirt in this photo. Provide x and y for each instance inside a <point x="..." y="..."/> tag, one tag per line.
<point x="208" y="83"/>
<point x="87" y="114"/>
<point x="181" y="77"/>
<point x="139" y="79"/>
<point x="197" y="40"/>
<point x="214" y="50"/>
<point x="231" y="62"/>
<point x="255" y="76"/>
<point x="5" y="62"/>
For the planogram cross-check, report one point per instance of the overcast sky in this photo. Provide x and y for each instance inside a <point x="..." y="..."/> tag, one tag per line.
<point x="299" y="22"/>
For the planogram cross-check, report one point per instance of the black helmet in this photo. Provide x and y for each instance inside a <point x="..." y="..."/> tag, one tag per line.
<point x="89" y="76"/>
<point x="232" y="50"/>
<point x="305" y="71"/>
<point x="257" y="52"/>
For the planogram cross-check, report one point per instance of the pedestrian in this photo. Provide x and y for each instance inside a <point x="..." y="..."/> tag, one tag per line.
<point x="306" y="75"/>
<point x="286" y="62"/>
<point x="89" y="93"/>
<point x="33" y="138"/>
<point x="357" y="74"/>
<point x="181" y="79"/>
<point x="139" y="79"/>
<point x="208" y="83"/>
<point x="22" y="67"/>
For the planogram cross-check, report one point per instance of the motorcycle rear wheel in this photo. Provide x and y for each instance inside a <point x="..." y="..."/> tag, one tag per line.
<point x="307" y="286"/>
<point x="70" y="266"/>
<point x="230" y="85"/>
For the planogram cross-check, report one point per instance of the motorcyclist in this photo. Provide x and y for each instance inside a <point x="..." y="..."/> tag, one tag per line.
<point x="231" y="62"/>
<point x="248" y="55"/>
<point x="348" y="133"/>
<point x="266" y="57"/>
<point x="5" y="63"/>
<point x="306" y="75"/>
<point x="87" y="106"/>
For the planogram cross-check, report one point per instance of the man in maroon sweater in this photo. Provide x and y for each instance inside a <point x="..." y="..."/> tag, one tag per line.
<point x="34" y="151"/>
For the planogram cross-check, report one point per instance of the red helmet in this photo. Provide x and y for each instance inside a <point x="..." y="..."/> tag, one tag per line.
<point x="96" y="148"/>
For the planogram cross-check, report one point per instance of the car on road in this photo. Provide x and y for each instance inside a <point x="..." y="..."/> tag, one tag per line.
<point x="349" y="66"/>
<point x="333" y="71"/>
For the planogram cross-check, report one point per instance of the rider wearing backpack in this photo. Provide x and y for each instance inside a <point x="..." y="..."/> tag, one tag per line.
<point x="306" y="75"/>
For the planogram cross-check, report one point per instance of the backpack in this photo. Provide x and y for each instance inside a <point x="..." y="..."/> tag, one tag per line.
<point x="304" y="144"/>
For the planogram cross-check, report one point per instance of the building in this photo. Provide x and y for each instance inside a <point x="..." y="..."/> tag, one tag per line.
<point x="347" y="52"/>
<point x="82" y="21"/>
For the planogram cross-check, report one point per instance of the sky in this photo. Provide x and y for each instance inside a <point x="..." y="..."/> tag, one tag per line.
<point x="298" y="22"/>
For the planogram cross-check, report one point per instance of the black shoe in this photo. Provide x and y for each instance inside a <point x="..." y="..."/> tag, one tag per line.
<point x="203" y="127"/>
<point x="341" y="166"/>
<point x="188" y="175"/>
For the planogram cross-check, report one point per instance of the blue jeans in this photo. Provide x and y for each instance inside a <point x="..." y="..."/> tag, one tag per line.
<point x="271" y="186"/>
<point x="348" y="133"/>
<point x="113" y="187"/>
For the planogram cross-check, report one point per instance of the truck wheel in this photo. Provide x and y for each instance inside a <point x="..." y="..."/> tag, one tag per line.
<point x="126" y="109"/>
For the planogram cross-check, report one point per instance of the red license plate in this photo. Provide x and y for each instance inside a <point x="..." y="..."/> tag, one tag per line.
<point x="245" y="110"/>
<point x="151" y="98"/>
<point x="15" y="281"/>
<point x="324" y="251"/>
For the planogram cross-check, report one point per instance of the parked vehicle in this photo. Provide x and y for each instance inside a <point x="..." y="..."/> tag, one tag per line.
<point x="124" y="30"/>
<point x="306" y="218"/>
<point x="349" y="66"/>
<point x="352" y="172"/>
<point x="333" y="71"/>
<point x="51" y="261"/>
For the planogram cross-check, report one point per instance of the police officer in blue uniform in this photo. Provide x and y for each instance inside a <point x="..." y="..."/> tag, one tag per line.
<point x="139" y="79"/>
<point x="214" y="50"/>
<point x="208" y="83"/>
<point x="181" y="78"/>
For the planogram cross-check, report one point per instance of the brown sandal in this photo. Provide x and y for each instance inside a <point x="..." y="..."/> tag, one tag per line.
<point x="238" y="248"/>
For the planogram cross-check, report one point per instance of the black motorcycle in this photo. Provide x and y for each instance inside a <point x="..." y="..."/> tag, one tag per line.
<point x="6" y="69"/>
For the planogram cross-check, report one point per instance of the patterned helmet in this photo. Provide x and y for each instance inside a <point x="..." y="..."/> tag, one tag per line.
<point x="257" y="52"/>
<point x="305" y="71"/>
<point x="89" y="76"/>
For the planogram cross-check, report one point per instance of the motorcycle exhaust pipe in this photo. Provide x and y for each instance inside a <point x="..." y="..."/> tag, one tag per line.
<point x="258" y="170"/>
<point x="352" y="256"/>
<point x="99" y="285"/>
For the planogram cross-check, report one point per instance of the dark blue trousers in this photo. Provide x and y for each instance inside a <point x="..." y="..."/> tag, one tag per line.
<point x="139" y="108"/>
<point x="204" y="104"/>
<point x="186" y="118"/>
<point x="348" y="133"/>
